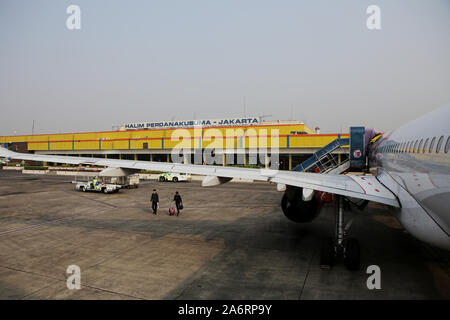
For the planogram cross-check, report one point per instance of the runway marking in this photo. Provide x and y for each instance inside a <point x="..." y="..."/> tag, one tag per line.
<point x="95" y="200"/>
<point x="307" y="274"/>
<point x="64" y="281"/>
<point x="38" y="225"/>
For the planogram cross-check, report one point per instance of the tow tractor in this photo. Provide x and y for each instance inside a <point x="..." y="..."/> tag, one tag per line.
<point x="99" y="187"/>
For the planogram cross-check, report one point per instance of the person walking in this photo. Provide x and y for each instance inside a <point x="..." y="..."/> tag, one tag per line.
<point x="155" y="200"/>
<point x="178" y="202"/>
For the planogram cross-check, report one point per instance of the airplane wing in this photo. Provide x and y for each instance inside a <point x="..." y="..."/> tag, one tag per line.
<point x="361" y="187"/>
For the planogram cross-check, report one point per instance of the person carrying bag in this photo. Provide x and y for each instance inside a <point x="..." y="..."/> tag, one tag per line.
<point x="178" y="202"/>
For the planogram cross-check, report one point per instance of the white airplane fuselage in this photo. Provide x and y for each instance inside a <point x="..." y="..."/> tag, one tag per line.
<point x="417" y="170"/>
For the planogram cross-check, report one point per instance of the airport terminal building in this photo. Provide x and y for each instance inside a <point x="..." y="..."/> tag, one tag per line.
<point x="234" y="140"/>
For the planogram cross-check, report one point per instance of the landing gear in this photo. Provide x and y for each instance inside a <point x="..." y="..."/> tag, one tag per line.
<point x="340" y="247"/>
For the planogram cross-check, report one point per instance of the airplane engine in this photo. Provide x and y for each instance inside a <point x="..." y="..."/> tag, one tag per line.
<point x="296" y="209"/>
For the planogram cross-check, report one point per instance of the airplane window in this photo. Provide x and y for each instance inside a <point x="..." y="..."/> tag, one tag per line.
<point x="415" y="146"/>
<point x="419" y="148"/>
<point x="439" y="144"/>
<point x="425" y="145"/>
<point x="432" y="144"/>
<point x="447" y="145"/>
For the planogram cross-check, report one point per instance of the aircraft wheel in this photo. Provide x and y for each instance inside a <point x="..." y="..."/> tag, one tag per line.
<point x="352" y="254"/>
<point x="327" y="253"/>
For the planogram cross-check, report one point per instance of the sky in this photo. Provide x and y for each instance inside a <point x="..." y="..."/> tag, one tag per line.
<point x="313" y="61"/>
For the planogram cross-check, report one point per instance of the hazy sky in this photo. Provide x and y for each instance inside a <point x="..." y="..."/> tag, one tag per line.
<point x="158" y="60"/>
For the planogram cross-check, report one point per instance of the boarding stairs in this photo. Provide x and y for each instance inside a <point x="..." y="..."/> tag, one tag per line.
<point x="324" y="159"/>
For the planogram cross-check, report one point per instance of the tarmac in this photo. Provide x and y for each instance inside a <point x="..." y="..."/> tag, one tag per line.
<point x="230" y="242"/>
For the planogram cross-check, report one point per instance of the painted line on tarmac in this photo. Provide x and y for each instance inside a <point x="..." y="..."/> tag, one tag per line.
<point x="95" y="200"/>
<point x="38" y="225"/>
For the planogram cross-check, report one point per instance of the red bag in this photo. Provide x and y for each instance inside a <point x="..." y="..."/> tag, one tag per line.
<point x="171" y="211"/>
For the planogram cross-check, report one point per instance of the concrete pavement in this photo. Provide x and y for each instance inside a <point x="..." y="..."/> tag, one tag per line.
<point x="231" y="242"/>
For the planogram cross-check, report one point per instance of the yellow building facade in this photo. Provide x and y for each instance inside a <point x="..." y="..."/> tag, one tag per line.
<point x="285" y="135"/>
<point x="287" y="139"/>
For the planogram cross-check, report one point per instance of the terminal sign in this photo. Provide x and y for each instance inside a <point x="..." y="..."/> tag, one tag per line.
<point x="192" y="123"/>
